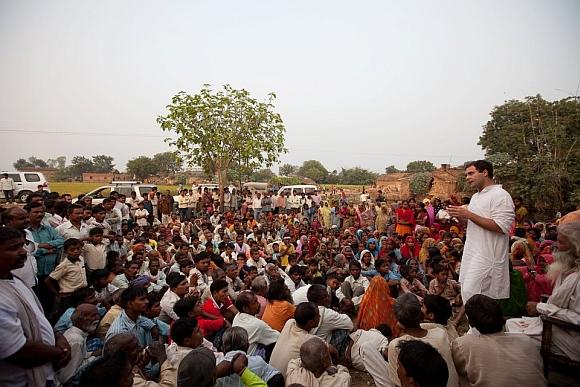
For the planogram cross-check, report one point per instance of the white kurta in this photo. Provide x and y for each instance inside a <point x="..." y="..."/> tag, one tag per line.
<point x="484" y="266"/>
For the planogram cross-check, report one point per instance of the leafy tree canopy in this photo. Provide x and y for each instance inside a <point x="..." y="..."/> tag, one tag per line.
<point x="391" y="169"/>
<point x="313" y="169"/>
<point x="420" y="166"/>
<point x="534" y="145"/>
<point x="288" y="170"/>
<point x="216" y="129"/>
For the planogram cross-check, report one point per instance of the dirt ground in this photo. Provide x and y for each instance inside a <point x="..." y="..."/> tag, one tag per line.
<point x="360" y="379"/>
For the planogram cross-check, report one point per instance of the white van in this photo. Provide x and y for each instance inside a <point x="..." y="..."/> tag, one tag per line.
<point x="297" y="189"/>
<point x="26" y="183"/>
<point x="122" y="187"/>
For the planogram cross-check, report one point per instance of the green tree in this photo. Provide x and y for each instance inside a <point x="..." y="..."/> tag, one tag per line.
<point x="287" y="170"/>
<point x="79" y="165"/>
<point x="420" y="166"/>
<point x="102" y="164"/>
<point x="534" y="145"/>
<point x="141" y="167"/>
<point x="391" y="169"/>
<point x="216" y="129"/>
<point x="356" y="175"/>
<point x="167" y="162"/>
<point x="22" y="164"/>
<point x="263" y="175"/>
<point x="420" y="183"/>
<point x="313" y="169"/>
<point x="58" y="163"/>
<point x="32" y="162"/>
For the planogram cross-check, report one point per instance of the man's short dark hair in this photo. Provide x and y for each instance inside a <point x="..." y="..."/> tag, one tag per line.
<point x="305" y="312"/>
<point x="423" y="363"/>
<point x="73" y="207"/>
<point x="96" y="231"/>
<point x="316" y="293"/>
<point x="408" y="310"/>
<point x="70" y="243"/>
<point x="132" y="293"/>
<point x="481" y="165"/>
<point x="484" y="314"/>
<point x="243" y="300"/>
<point x="8" y="233"/>
<point x="185" y="305"/>
<point x="217" y="285"/>
<point x="439" y="306"/>
<point x="98" y="208"/>
<point x="182" y="329"/>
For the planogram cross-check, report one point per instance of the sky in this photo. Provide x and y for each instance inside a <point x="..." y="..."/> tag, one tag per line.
<point x="368" y="83"/>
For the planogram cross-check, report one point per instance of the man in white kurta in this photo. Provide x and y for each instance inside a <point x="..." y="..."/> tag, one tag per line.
<point x="490" y="215"/>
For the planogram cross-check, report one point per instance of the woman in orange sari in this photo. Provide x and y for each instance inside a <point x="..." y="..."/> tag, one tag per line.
<point x="376" y="307"/>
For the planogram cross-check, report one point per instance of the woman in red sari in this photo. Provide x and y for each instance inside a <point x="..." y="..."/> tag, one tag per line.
<point x="405" y="218"/>
<point x="410" y="248"/>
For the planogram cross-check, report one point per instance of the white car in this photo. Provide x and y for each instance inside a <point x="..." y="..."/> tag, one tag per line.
<point x="297" y="189"/>
<point x="26" y="183"/>
<point x="122" y="187"/>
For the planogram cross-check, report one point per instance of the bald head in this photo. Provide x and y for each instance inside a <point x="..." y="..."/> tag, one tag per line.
<point x="86" y="317"/>
<point x="315" y="356"/>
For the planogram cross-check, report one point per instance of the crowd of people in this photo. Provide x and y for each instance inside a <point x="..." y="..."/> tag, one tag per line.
<point x="283" y="290"/>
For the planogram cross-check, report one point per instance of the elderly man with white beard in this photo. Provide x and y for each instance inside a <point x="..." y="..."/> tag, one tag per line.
<point x="564" y="303"/>
<point x="85" y="321"/>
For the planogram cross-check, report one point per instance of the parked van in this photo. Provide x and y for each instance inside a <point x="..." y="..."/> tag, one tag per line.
<point x="26" y="183"/>
<point x="122" y="187"/>
<point x="297" y="189"/>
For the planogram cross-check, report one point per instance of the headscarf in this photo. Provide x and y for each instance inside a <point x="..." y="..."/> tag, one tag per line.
<point x="359" y="235"/>
<point x="376" y="307"/>
<point x="374" y="252"/>
<point x="424" y="252"/>
<point x="405" y="252"/>
<point x="371" y="263"/>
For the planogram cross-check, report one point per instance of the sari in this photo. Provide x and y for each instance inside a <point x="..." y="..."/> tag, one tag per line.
<point x="406" y="216"/>
<point x="376" y="307"/>
<point x="410" y="252"/>
<point x="424" y="252"/>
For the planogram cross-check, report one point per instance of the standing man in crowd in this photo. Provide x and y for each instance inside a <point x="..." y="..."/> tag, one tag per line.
<point x="28" y="346"/>
<point x="7" y="186"/>
<point x="489" y="215"/>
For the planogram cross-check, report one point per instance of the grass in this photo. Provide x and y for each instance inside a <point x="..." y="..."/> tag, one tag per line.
<point x="76" y="189"/>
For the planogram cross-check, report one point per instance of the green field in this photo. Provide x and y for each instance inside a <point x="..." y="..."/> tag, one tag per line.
<point x="76" y="189"/>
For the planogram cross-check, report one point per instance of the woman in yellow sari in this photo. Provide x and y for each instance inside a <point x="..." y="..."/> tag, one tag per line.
<point x="424" y="252"/>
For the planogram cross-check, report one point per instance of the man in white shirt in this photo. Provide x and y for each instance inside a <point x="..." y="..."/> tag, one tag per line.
<point x="114" y="216"/>
<point x="333" y="327"/>
<point x="17" y="218"/>
<point x="75" y="227"/>
<point x="85" y="321"/>
<point x="7" y="186"/>
<point x="354" y="286"/>
<point x="489" y="216"/>
<point x="260" y="334"/>
<point x="121" y="206"/>
<point x="26" y="337"/>
<point x="368" y="351"/>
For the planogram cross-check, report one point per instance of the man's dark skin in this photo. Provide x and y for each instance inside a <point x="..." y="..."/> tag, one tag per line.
<point x="32" y="353"/>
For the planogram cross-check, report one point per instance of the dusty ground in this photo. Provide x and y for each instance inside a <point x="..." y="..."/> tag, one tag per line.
<point x="360" y="379"/>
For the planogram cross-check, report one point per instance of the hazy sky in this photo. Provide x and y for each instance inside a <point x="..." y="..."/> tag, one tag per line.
<point x="367" y="83"/>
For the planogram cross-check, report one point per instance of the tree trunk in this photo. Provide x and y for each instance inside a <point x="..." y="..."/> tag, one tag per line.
<point x="221" y="182"/>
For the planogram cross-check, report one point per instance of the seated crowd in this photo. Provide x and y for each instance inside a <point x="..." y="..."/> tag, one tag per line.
<point x="273" y="291"/>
